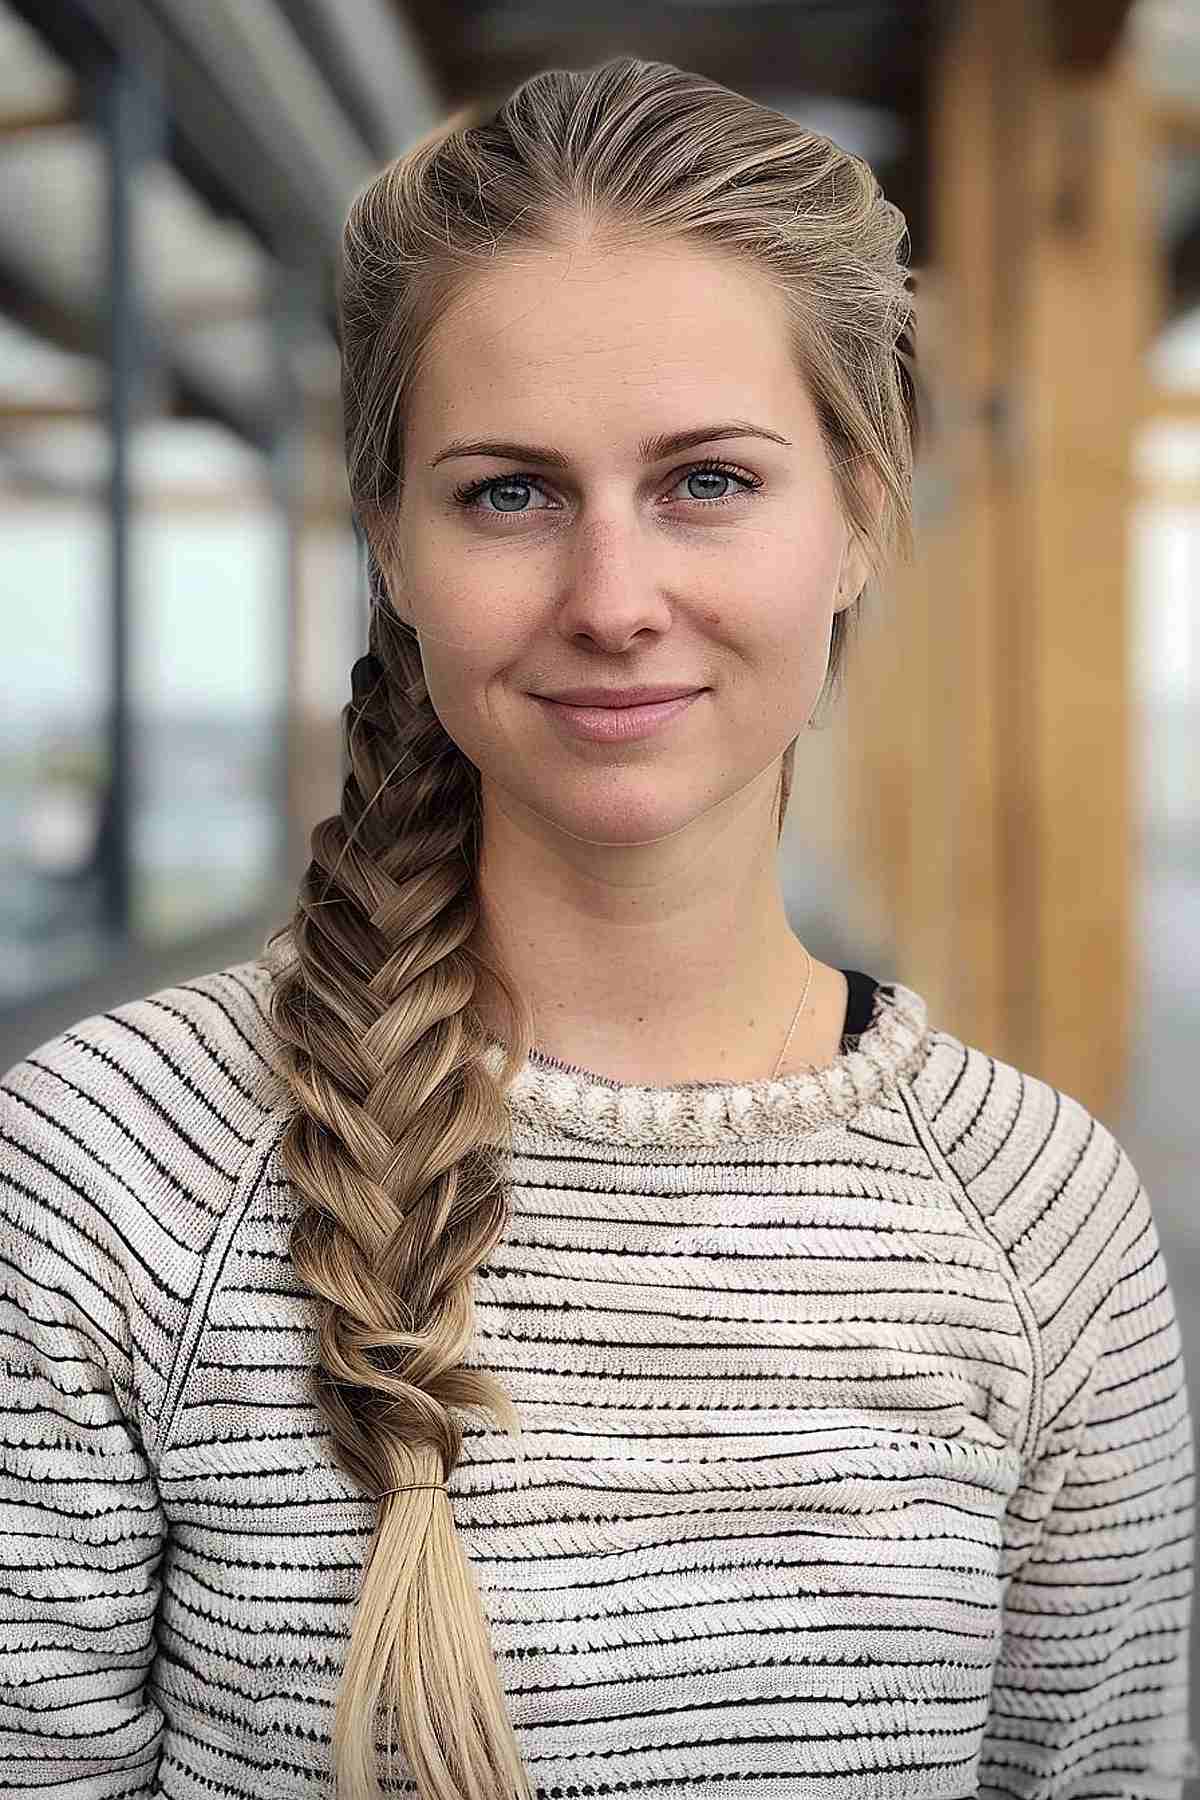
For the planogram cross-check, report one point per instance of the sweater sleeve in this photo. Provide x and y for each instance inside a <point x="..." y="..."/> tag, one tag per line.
<point x="82" y="1528"/>
<point x="1090" y="1690"/>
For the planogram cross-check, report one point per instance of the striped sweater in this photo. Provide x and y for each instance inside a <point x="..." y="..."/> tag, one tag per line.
<point x="858" y="1462"/>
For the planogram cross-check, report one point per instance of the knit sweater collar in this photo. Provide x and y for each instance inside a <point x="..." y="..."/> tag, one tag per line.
<point x="557" y="1099"/>
<point x="552" y="1099"/>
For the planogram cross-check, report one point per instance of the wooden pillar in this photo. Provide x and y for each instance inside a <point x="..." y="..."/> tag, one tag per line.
<point x="1091" y="283"/>
<point x="990" y="700"/>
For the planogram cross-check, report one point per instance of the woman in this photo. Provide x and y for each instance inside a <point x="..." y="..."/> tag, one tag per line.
<point x="827" y="1430"/>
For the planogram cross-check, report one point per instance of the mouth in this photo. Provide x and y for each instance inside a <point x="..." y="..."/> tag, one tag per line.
<point x="608" y="724"/>
<point x="619" y="697"/>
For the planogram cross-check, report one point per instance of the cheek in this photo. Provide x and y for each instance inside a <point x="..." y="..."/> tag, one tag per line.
<point x="813" y="553"/>
<point x="775" y="582"/>
<point x="781" y="585"/>
<point x="467" y="639"/>
<point x="794" y="546"/>
<point x="457" y="609"/>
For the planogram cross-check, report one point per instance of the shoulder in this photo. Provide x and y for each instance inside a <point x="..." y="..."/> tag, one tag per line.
<point x="1040" y="1175"/>
<point x="136" y="1125"/>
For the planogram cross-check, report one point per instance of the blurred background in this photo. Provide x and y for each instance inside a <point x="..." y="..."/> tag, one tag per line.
<point x="1004" y="808"/>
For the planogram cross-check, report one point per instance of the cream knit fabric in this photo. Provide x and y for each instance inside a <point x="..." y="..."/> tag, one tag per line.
<point x="858" y="1462"/>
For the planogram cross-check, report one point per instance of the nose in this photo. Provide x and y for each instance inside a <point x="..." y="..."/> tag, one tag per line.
<point x="610" y="586"/>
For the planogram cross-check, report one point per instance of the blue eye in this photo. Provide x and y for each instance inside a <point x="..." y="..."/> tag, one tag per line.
<point x="712" y="470"/>
<point x="499" y="485"/>
<point x="708" y="475"/>
<point x="509" y="493"/>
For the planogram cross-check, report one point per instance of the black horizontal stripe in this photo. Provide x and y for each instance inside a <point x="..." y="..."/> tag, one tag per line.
<point x="1021" y="1301"/>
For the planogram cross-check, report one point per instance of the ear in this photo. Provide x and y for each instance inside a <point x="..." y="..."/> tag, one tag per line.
<point x="854" y="573"/>
<point x="856" y="564"/>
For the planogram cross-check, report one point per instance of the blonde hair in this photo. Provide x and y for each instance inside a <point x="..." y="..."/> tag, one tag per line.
<point x="399" y="1145"/>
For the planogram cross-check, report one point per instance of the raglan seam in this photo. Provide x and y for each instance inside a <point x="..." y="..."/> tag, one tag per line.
<point x="212" y="1267"/>
<point x="1024" y="1304"/>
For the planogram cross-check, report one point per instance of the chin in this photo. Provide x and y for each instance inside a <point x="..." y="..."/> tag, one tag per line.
<point x="626" y="820"/>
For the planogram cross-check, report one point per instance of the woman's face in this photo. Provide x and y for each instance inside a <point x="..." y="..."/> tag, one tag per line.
<point x="576" y="551"/>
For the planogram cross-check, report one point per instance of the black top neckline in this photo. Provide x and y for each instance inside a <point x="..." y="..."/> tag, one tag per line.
<point x="860" y="1006"/>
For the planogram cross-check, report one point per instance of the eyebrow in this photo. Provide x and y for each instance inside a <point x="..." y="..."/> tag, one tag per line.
<point x="651" y="449"/>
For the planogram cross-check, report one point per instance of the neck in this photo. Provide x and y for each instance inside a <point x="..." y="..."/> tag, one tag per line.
<point x="691" y="996"/>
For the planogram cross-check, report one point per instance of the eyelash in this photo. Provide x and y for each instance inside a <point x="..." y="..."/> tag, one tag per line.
<point x="467" y="492"/>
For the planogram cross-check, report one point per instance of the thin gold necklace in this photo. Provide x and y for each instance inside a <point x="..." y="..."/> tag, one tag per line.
<point x="787" y="1040"/>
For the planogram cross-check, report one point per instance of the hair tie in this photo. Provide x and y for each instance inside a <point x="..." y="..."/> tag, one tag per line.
<point x="437" y="1486"/>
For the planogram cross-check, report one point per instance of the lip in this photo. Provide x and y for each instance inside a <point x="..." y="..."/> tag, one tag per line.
<point x="630" y="696"/>
<point x="609" y="724"/>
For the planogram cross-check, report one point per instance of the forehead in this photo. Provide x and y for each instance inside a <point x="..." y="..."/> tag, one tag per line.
<point x="591" y="335"/>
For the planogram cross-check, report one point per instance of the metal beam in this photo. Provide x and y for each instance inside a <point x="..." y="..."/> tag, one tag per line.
<point x="84" y="331"/>
<point x="250" y="119"/>
<point x="252" y="58"/>
<point x="131" y="112"/>
<point x="371" y="57"/>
